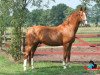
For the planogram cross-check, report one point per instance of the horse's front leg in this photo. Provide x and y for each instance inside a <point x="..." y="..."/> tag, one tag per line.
<point x="69" y="54"/>
<point x="66" y="54"/>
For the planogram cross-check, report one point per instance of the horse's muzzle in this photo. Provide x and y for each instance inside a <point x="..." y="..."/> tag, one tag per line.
<point x="84" y="22"/>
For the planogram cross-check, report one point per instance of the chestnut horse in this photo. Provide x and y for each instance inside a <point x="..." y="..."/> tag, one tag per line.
<point x="62" y="35"/>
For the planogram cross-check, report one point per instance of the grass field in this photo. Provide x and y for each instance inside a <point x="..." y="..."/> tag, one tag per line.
<point x="88" y="30"/>
<point x="93" y="40"/>
<point x="42" y="68"/>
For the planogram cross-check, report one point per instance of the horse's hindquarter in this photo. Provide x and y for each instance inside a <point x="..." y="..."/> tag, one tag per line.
<point x="31" y="36"/>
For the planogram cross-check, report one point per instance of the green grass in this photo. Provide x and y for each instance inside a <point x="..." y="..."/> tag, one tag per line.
<point x="92" y="40"/>
<point x="88" y="30"/>
<point x="42" y="68"/>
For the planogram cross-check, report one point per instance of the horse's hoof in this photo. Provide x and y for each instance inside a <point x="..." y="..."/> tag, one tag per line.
<point x="64" y="67"/>
<point x="24" y="70"/>
<point x="69" y="66"/>
<point x="32" y="68"/>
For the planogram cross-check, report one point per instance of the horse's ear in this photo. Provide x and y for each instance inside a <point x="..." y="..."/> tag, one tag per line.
<point x="85" y="9"/>
<point x="81" y="9"/>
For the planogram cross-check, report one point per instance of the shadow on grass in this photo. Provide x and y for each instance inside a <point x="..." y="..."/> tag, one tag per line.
<point x="53" y="70"/>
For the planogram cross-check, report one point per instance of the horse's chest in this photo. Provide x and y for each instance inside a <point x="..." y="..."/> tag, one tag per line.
<point x="68" y="40"/>
<point x="68" y="37"/>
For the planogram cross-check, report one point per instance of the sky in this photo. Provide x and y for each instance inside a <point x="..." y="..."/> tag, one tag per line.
<point x="70" y="3"/>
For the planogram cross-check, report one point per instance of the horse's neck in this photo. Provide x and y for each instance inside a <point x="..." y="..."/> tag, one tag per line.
<point x="72" y="23"/>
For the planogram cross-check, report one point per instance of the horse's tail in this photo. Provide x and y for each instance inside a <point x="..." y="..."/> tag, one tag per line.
<point x="24" y="44"/>
<point x="29" y="57"/>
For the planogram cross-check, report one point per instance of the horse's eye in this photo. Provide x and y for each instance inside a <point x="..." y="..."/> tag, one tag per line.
<point x="81" y="15"/>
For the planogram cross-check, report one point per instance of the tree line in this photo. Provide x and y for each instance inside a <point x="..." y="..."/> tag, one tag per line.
<point x="53" y="16"/>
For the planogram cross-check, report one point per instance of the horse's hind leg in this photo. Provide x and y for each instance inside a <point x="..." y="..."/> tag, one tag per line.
<point x="31" y="61"/>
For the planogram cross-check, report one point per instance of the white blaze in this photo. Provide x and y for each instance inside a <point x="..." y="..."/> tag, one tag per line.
<point x="85" y="18"/>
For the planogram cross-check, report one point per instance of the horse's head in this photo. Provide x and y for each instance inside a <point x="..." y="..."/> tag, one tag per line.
<point x="82" y="15"/>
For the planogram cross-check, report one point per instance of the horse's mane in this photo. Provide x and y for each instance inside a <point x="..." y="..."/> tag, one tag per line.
<point x="67" y="20"/>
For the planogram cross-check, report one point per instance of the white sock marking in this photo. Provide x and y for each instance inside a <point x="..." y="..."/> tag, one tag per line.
<point x="32" y="63"/>
<point x="64" y="65"/>
<point x="24" y="64"/>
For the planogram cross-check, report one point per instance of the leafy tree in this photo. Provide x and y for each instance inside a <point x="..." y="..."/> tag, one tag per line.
<point x="28" y="19"/>
<point x="45" y="18"/>
<point x="68" y="11"/>
<point x="36" y="14"/>
<point x="85" y="3"/>
<point x="50" y="16"/>
<point x="40" y="17"/>
<point x="96" y="13"/>
<point x="57" y="13"/>
<point x="4" y="18"/>
<point x="89" y="2"/>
